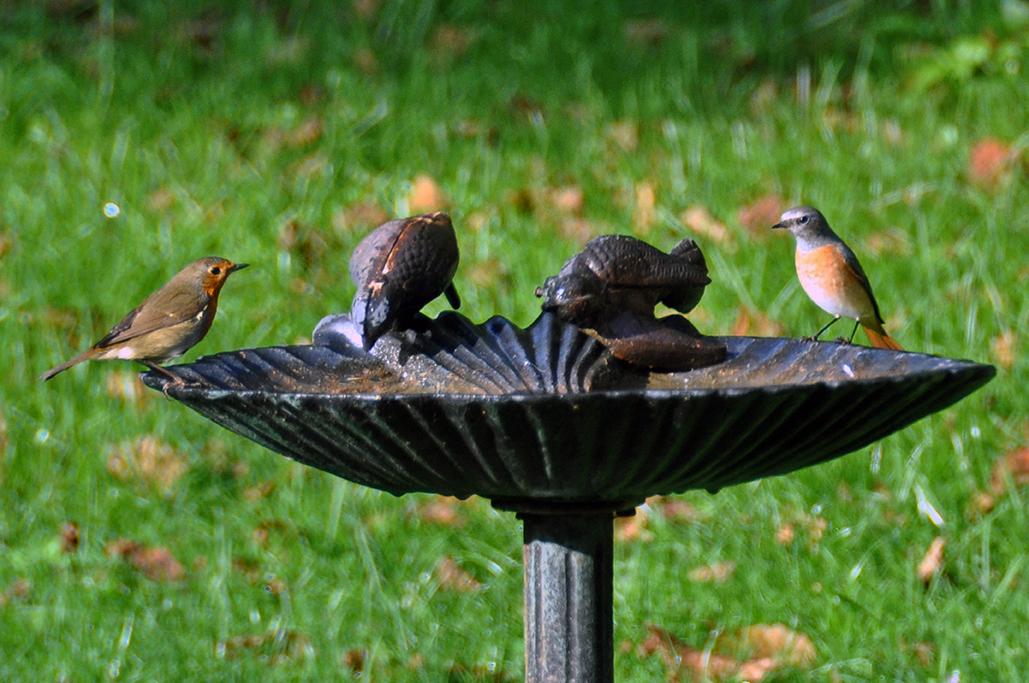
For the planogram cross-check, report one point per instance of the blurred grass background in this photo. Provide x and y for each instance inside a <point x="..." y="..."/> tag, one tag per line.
<point x="138" y="136"/>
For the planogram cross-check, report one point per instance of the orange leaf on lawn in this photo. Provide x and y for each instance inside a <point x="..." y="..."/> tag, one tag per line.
<point x="932" y="562"/>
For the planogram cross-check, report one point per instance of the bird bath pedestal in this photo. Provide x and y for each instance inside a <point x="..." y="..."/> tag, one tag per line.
<point x="546" y="423"/>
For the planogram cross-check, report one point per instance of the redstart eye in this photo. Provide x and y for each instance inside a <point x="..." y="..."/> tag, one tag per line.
<point x="215" y="270"/>
<point x="803" y="219"/>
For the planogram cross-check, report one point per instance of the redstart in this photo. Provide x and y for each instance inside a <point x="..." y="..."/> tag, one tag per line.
<point x="170" y="322"/>
<point x="830" y="274"/>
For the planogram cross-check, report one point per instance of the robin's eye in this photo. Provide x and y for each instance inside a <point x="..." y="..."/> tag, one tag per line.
<point x="215" y="270"/>
<point x="803" y="219"/>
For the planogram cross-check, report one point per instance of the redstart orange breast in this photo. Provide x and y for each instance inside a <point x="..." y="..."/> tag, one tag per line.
<point x="170" y="322"/>
<point x="830" y="274"/>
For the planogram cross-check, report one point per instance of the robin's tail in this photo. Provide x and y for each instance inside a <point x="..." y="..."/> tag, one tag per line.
<point x="879" y="339"/>
<point x="58" y="369"/>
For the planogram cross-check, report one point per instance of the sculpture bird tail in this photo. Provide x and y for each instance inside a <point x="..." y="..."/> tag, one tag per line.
<point x="879" y="339"/>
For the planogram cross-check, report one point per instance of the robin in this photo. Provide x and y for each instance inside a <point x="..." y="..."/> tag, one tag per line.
<point x="170" y="322"/>
<point x="830" y="274"/>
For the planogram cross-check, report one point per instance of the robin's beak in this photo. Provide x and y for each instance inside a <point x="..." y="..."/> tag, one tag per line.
<point x="778" y="226"/>
<point x="238" y="266"/>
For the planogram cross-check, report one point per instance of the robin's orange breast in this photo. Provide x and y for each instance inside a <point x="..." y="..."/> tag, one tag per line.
<point x="826" y="278"/>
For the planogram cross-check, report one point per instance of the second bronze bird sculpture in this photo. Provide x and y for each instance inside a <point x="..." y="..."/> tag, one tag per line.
<point x="168" y="323"/>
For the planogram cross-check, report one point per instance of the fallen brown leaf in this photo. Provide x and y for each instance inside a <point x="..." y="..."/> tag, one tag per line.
<point x="275" y="647"/>
<point x="568" y="199"/>
<point x="353" y="659"/>
<point x="717" y="572"/>
<point x="307" y="132"/>
<point x="579" y="230"/>
<point x="649" y="32"/>
<point x="1003" y="346"/>
<point x="359" y="217"/>
<point x="1014" y="465"/>
<point x="451" y="576"/>
<point x="784" y="534"/>
<point x="699" y="220"/>
<point x="126" y="386"/>
<point x="450" y="41"/>
<point x="366" y="61"/>
<point x="988" y="162"/>
<point x="752" y="322"/>
<point x="625" y="135"/>
<point x="69" y="537"/>
<point x="19" y="590"/>
<point x="425" y="196"/>
<point x="699" y="665"/>
<point x="160" y="200"/>
<point x="488" y="273"/>
<point x="156" y="563"/>
<point x="263" y="531"/>
<point x="443" y="511"/>
<point x="678" y="510"/>
<point x="248" y="568"/>
<point x="761" y="214"/>
<point x="780" y="643"/>
<point x="932" y="562"/>
<point x="633" y="528"/>
<point x="259" y="491"/>
<point x="645" y="209"/>
<point x="150" y="460"/>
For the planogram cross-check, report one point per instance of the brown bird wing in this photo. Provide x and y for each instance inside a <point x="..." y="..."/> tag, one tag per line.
<point x="850" y="260"/>
<point x="161" y="309"/>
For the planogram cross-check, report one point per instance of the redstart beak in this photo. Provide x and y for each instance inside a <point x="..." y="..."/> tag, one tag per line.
<point x="238" y="266"/>
<point x="778" y="226"/>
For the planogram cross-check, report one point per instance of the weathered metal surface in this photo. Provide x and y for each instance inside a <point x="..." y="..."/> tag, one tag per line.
<point x="548" y="414"/>
<point x="568" y="561"/>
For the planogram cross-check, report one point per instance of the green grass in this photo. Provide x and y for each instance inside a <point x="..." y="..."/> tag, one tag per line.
<point x="181" y="114"/>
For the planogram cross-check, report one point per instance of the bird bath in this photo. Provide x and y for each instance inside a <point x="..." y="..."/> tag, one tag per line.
<point x="545" y="422"/>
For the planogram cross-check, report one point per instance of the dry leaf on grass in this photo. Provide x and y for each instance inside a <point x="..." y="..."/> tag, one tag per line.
<point x="700" y="221"/>
<point x="451" y="576"/>
<point x="275" y="647"/>
<point x="753" y="322"/>
<point x="932" y="562"/>
<point x="784" y="534"/>
<point x="353" y="660"/>
<point x="443" y="511"/>
<point x="307" y="132"/>
<point x="624" y="134"/>
<point x="359" y="217"/>
<point x="1013" y="467"/>
<point x="697" y="665"/>
<point x="649" y="32"/>
<point x="19" y="590"/>
<point x="567" y="200"/>
<point x="779" y="642"/>
<point x="160" y="200"/>
<point x="988" y="162"/>
<point x="425" y="196"/>
<point x="126" y="386"/>
<point x="1003" y="346"/>
<point x="717" y="572"/>
<point x="449" y="41"/>
<point x="149" y="460"/>
<point x="761" y="214"/>
<point x="645" y="208"/>
<point x="259" y="491"/>
<point x="156" y="563"/>
<point x="69" y="537"/>
<point x="674" y="509"/>
<point x="633" y="528"/>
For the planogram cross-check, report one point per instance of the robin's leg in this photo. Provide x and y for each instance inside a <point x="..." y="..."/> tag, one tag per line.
<point x="824" y="328"/>
<point x="175" y="379"/>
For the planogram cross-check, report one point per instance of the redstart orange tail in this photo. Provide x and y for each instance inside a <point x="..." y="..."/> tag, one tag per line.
<point x="879" y="339"/>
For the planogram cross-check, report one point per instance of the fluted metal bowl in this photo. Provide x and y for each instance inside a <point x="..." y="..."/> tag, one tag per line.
<point x="547" y="414"/>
